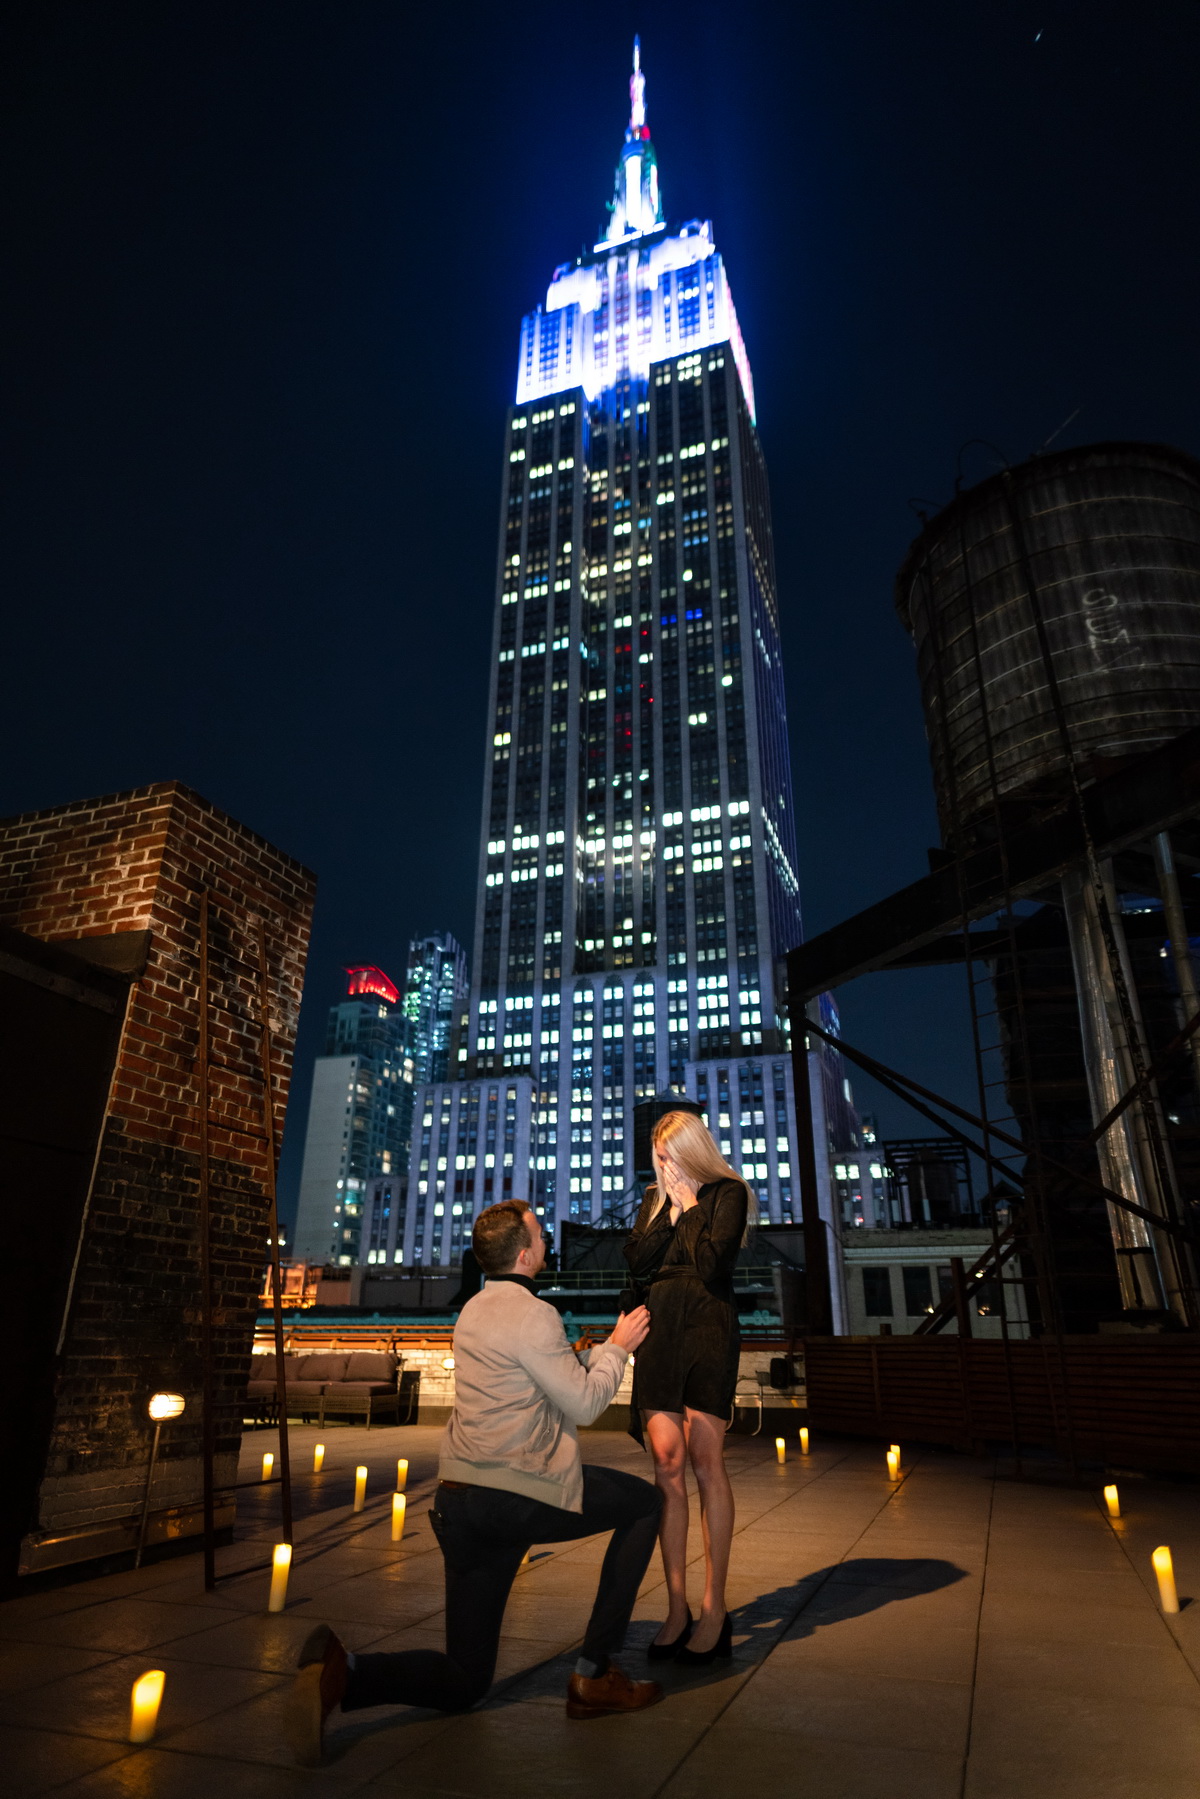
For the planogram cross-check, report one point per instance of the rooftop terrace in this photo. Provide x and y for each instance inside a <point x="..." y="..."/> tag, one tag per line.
<point x="957" y="1635"/>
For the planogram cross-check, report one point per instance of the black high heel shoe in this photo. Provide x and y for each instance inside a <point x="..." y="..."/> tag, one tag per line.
<point x="722" y="1649"/>
<point x="665" y="1652"/>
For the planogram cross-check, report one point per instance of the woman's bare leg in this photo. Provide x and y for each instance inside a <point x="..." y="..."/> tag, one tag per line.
<point x="706" y="1444"/>
<point x="668" y="1446"/>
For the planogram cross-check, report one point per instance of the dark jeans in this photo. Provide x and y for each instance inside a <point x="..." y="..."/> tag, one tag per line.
<point x="484" y="1534"/>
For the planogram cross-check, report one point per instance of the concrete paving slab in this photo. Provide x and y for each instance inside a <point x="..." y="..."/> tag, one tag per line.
<point x="25" y="1665"/>
<point x="802" y="1767"/>
<point x="872" y="1620"/>
<point x="875" y="1710"/>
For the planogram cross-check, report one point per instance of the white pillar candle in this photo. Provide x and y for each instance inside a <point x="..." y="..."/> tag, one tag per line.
<point x="401" y="1474"/>
<point x="1112" y="1501"/>
<point x="804" y="1439"/>
<point x="780" y="1450"/>
<point x="318" y="1458"/>
<point x="144" y="1702"/>
<point x="268" y="1465"/>
<point x="399" y="1504"/>
<point x="281" y="1564"/>
<point x="360" y="1487"/>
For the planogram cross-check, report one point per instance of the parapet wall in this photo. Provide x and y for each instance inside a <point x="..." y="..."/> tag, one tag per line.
<point x="84" y="877"/>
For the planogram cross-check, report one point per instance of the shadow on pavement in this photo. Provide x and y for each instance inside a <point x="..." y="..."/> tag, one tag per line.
<point x="822" y="1600"/>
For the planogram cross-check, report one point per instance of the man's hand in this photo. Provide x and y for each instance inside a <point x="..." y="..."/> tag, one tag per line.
<point x="630" y="1329"/>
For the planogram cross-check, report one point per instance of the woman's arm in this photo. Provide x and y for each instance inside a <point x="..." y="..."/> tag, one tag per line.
<point x="718" y="1235"/>
<point x="647" y="1245"/>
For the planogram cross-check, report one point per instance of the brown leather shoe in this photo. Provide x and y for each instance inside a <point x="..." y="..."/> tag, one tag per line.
<point x="319" y="1685"/>
<point x="608" y="1693"/>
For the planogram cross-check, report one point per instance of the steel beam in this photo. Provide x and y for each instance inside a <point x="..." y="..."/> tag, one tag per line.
<point x="1152" y="793"/>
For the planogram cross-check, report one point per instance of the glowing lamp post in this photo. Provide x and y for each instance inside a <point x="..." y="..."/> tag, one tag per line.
<point x="1164" y="1569"/>
<point x="804" y="1439"/>
<point x="1112" y="1501"/>
<point x="401" y="1474"/>
<point x="162" y="1408"/>
<point x="281" y="1566"/>
<point x="318" y="1457"/>
<point x="144" y="1702"/>
<point x="399" y="1506"/>
<point x="360" y="1487"/>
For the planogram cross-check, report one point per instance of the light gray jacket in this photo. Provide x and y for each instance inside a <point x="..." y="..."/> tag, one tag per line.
<point x="520" y="1391"/>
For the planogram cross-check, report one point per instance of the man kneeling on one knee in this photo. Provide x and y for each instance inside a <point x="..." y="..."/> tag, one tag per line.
<point x="510" y="1476"/>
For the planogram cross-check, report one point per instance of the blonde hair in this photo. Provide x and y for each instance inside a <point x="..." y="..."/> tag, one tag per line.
<point x="688" y="1142"/>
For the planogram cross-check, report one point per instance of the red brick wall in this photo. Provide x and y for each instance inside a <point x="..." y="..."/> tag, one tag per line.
<point x="132" y="862"/>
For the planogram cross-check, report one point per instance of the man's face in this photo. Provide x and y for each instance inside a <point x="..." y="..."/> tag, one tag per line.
<point x="535" y="1255"/>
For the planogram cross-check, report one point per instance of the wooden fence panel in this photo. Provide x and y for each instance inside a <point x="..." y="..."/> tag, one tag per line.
<point x="1125" y="1401"/>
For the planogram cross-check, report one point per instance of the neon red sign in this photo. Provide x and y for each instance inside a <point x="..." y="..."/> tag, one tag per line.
<point x="372" y="980"/>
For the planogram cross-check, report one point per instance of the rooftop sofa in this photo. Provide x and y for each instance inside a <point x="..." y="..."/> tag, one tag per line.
<point x="363" y="1383"/>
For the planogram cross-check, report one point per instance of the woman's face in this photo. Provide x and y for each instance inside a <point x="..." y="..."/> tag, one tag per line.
<point x="665" y="1169"/>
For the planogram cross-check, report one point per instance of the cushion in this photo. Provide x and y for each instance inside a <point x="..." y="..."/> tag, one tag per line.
<point x="372" y="1364"/>
<point x="261" y="1389"/>
<point x="322" y="1367"/>
<point x="262" y="1367"/>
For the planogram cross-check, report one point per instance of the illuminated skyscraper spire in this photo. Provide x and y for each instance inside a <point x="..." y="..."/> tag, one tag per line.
<point x="636" y="204"/>
<point x="637" y="88"/>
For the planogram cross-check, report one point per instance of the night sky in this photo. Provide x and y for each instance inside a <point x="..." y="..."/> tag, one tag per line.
<point x="264" y="270"/>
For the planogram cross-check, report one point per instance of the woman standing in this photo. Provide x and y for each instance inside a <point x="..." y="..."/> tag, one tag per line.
<point x="684" y="1245"/>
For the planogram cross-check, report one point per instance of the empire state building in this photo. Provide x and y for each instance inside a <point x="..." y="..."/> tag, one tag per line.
<point x="637" y="864"/>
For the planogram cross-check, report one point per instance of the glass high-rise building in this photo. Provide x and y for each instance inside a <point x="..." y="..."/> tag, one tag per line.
<point x="359" y="1116"/>
<point x="637" y="875"/>
<point x="436" y="989"/>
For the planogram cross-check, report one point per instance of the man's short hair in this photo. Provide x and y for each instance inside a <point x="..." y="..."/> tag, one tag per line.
<point x="500" y="1235"/>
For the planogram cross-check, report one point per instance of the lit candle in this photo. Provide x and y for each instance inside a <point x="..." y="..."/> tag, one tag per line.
<point x="360" y="1487"/>
<point x="268" y="1465"/>
<point x="399" y="1502"/>
<point x="1112" y="1501"/>
<point x="318" y="1458"/>
<point x="281" y="1564"/>
<point x="780" y="1450"/>
<point x="143" y="1706"/>
<point x="893" y="1463"/>
<point x="1164" y="1569"/>
<point x="401" y="1474"/>
<point x="804" y="1439"/>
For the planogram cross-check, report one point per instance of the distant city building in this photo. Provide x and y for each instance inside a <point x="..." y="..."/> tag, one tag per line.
<point x="862" y="1190"/>
<point x="637" y="883"/>
<point x="381" y="1238"/>
<point x="436" y="990"/>
<point x="359" y="1119"/>
<point x="472" y="1144"/>
<point x="909" y="1181"/>
<point x="894" y="1279"/>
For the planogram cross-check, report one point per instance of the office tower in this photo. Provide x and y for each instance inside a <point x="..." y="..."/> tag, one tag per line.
<point x="436" y="990"/>
<point x="637" y="885"/>
<point x="359" y="1119"/>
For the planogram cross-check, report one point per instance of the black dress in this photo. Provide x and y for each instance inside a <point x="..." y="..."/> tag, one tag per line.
<point x="690" y="1356"/>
